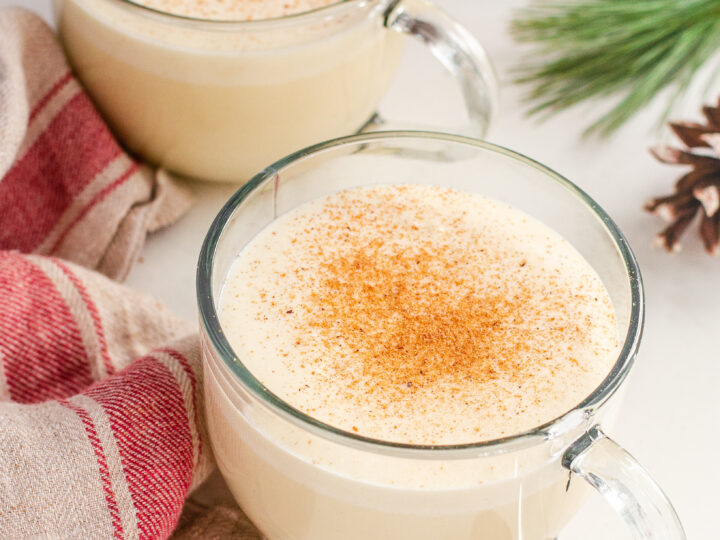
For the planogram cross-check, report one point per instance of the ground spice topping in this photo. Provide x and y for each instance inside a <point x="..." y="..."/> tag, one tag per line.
<point x="420" y="314"/>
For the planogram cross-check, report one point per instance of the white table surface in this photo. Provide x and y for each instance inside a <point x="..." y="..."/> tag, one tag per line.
<point x="670" y="421"/>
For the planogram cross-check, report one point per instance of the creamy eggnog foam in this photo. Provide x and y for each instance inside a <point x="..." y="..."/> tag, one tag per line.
<point x="242" y="10"/>
<point x="419" y="314"/>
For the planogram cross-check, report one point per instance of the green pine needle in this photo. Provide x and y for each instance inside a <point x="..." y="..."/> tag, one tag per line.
<point x="631" y="49"/>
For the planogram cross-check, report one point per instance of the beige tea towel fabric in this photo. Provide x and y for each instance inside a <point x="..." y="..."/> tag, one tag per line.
<point x="100" y="406"/>
<point x="101" y="414"/>
<point x="67" y="187"/>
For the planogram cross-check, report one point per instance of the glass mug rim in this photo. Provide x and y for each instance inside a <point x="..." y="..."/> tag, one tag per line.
<point x="336" y="8"/>
<point x="562" y="424"/>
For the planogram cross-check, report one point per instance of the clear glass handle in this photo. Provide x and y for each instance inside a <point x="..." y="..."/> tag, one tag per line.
<point x="625" y="485"/>
<point x="457" y="50"/>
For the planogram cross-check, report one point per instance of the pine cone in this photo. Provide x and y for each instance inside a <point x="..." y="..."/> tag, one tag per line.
<point x="698" y="192"/>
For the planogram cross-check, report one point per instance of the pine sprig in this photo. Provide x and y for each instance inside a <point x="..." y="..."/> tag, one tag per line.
<point x="631" y="49"/>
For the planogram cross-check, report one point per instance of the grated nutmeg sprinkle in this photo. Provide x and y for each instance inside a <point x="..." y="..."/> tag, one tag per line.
<point x="422" y="314"/>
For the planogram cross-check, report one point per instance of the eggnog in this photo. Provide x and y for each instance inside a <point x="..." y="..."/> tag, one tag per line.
<point x="415" y="315"/>
<point x="235" y="10"/>
<point x="220" y="100"/>
<point x="420" y="315"/>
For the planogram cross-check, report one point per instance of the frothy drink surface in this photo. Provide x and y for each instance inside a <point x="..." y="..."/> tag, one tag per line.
<point x="419" y="314"/>
<point x="241" y="10"/>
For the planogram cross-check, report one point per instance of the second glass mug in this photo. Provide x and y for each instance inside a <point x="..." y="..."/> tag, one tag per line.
<point x="299" y="479"/>
<point x="219" y="100"/>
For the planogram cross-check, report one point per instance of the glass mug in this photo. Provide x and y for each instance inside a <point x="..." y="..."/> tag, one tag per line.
<point x="219" y="100"/>
<point x="300" y="479"/>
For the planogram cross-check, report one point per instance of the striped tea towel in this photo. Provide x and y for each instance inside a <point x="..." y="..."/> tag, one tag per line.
<point x="100" y="406"/>
<point x="66" y="187"/>
<point x="101" y="416"/>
